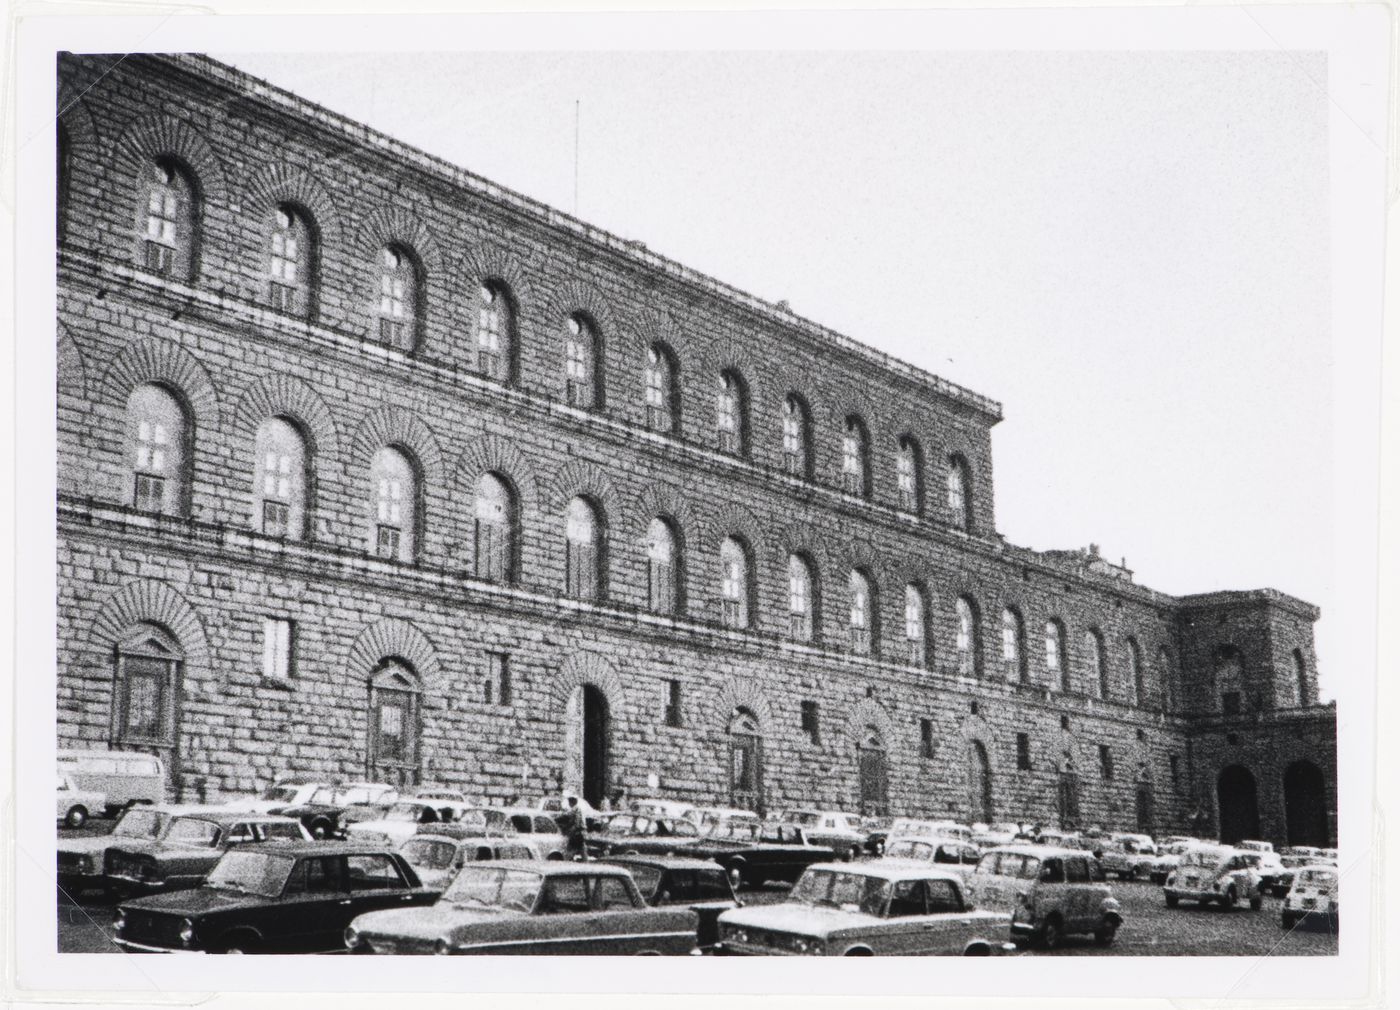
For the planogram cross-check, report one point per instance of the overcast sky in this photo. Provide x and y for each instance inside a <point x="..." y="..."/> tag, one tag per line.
<point x="1129" y="251"/>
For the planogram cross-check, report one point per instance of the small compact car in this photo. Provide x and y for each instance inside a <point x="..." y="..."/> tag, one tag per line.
<point x="699" y="885"/>
<point x="946" y="853"/>
<point x="841" y="832"/>
<point x="1128" y="857"/>
<point x="878" y="908"/>
<point x="1168" y="858"/>
<point x="1313" y="898"/>
<point x="189" y="849"/>
<point x="1214" y="874"/>
<point x="632" y="834"/>
<point x="753" y="853"/>
<point x="902" y="827"/>
<point x="536" y="830"/>
<point x="272" y="800"/>
<point x="1050" y="893"/>
<point x="76" y="805"/>
<point x="276" y="898"/>
<point x="542" y="907"/>
<point x="436" y="857"/>
<point x="81" y="861"/>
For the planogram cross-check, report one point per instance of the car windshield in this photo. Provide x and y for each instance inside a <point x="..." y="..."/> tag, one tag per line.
<point x="626" y="824"/>
<point x="1202" y="857"/>
<point x="491" y="887"/>
<point x="428" y="853"/>
<point x="189" y="831"/>
<point x="1010" y="864"/>
<point x="250" y="872"/>
<point x="281" y="794"/>
<point x="139" y="824"/>
<point x="475" y="820"/>
<point x="850" y="891"/>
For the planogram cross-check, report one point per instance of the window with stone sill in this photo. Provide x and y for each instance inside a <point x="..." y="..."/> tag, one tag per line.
<point x="168" y="220"/>
<point x="580" y="363"/>
<point x="660" y="390"/>
<point x="494" y="331"/>
<point x="915" y="626"/>
<point x="278" y="649"/>
<point x="662" y="565"/>
<point x="855" y="458"/>
<point x="734" y="584"/>
<point x="797" y="452"/>
<point x="729" y="414"/>
<point x="582" y="557"/>
<point x="909" y="476"/>
<point x="967" y="635"/>
<point x="398" y="298"/>
<point x="494" y="530"/>
<point x="959" y="500"/>
<point x="799" y="599"/>
<point x="156" y="427"/>
<point x="861" y="614"/>
<point x="290" y="261"/>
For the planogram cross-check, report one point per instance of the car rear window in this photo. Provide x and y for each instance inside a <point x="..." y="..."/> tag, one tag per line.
<point x="189" y="831"/>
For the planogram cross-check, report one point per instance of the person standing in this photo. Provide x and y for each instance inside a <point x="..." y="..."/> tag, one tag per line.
<point x="575" y="827"/>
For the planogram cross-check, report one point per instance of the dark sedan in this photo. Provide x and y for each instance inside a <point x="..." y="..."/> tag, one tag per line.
<point x="702" y="886"/>
<point x="753" y="852"/>
<point x="628" y="834"/>
<point x="277" y="898"/>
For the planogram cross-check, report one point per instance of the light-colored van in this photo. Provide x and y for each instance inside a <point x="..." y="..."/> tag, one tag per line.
<point x="124" y="776"/>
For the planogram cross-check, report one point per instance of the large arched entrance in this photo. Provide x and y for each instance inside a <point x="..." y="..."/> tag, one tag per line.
<point x="745" y="761"/>
<point x="1305" y="804"/>
<point x="1144" y="807"/>
<point x="979" y="782"/>
<point x="586" y="744"/>
<point x="1238" y="799"/>
<point x="874" y="774"/>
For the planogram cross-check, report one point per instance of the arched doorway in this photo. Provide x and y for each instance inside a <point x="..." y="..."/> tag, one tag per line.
<point x="1305" y="804"/>
<point x="1067" y="800"/>
<point x="146" y="697"/>
<point x="586" y="742"/>
<point x="1144" y="808"/>
<point x="745" y="761"/>
<point x="393" y="724"/>
<point x="874" y="774"/>
<point x="979" y="781"/>
<point x="1238" y="800"/>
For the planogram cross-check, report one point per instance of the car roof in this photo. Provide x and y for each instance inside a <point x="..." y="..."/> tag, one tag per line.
<point x="930" y="840"/>
<point x="290" y="847"/>
<point x="223" y="818"/>
<point x="889" y="869"/>
<point x="1039" y="851"/>
<point x="560" y="867"/>
<point x="664" y="862"/>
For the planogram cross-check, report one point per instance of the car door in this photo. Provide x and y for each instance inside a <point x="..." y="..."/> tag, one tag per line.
<point x="908" y="928"/>
<point x="315" y="906"/>
<point x="1075" y="893"/>
<point x="374" y="882"/>
<point x="563" y="922"/>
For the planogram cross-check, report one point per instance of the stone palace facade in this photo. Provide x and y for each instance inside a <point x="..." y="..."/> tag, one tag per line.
<point x="370" y="467"/>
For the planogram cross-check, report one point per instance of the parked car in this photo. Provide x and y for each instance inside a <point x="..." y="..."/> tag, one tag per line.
<point x="272" y="800"/>
<point x="631" y="834"/>
<point x="1255" y="846"/>
<point x="903" y="826"/>
<point x="277" y="898"/>
<point x="1049" y="893"/>
<point x="76" y="805"/>
<point x="700" y="885"/>
<point x="436" y="857"/>
<point x="535" y="829"/>
<point x="1213" y="874"/>
<point x="883" y="907"/>
<point x="877" y="833"/>
<point x="1128" y="857"/>
<point x="401" y="821"/>
<point x="1313" y="898"/>
<point x="124" y="777"/>
<point x="839" y="831"/>
<point x="755" y="853"/>
<point x="1293" y="859"/>
<point x="706" y="817"/>
<point x="81" y="860"/>
<point x="530" y="908"/>
<point x="1272" y="876"/>
<point x="1168" y="858"/>
<point x="991" y="835"/>
<point x="189" y="849"/>
<point x="942" y="852"/>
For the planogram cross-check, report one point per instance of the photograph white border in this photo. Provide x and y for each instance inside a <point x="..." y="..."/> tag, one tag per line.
<point x="1356" y="42"/>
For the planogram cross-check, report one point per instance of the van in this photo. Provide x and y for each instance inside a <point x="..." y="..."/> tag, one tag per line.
<point x="124" y="776"/>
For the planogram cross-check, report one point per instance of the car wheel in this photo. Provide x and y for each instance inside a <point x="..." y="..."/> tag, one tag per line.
<point x="238" y="943"/>
<point x="1050" y="935"/>
<point x="1172" y="899"/>
<point x="1104" y="935"/>
<point x="1230" y="898"/>
<point x="320" y="831"/>
<point x="859" y="952"/>
<point x="76" y="818"/>
<point x="1256" y="903"/>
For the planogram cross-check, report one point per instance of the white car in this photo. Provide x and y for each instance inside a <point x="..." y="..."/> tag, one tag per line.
<point x="1214" y="874"/>
<point x="401" y="821"/>
<point x="1313" y="897"/>
<point x="1255" y="846"/>
<point x="276" y="796"/>
<point x="76" y="805"/>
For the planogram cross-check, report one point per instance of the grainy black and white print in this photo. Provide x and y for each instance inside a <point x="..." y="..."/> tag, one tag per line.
<point x="543" y="503"/>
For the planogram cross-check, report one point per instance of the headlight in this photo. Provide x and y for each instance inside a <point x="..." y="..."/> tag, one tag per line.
<point x="352" y="937"/>
<point x="741" y="935"/>
<point x="799" y="945"/>
<point x="119" y="921"/>
<point x="86" y="864"/>
<point x="442" y="946"/>
<point x="186" y="932"/>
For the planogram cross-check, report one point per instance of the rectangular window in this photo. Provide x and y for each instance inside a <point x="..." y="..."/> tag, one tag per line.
<point x="498" y="686"/>
<point x="277" y="648"/>
<point x="1175" y="771"/>
<point x="143" y="715"/>
<point x="1023" y="752"/>
<point x="673" y="703"/>
<point x="1105" y="761"/>
<point x="811" y="722"/>
<point x="276" y="518"/>
<point x="150" y="493"/>
<point x="926" y="737"/>
<point x="387" y="545"/>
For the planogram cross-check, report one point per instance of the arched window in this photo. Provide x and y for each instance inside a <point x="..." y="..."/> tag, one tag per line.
<point x="395" y="505"/>
<point x="170" y="221"/>
<point x="582" y="371"/>
<point x="279" y="479"/>
<point x="147" y="681"/>
<point x="583" y="554"/>
<point x="959" y="495"/>
<point x="797" y="437"/>
<point x="291" y="253"/>
<point x="735" y="588"/>
<point x="495" y="530"/>
<point x="801" y="599"/>
<point x="855" y="458"/>
<point x="1095" y="672"/>
<point x="915" y="626"/>
<point x="662" y="393"/>
<point x="1300" y="678"/>
<point x="731" y="414"/>
<point x="398" y="297"/>
<point x="862" y="617"/>
<point x="495" y="331"/>
<point x="968" y="644"/>
<point x="1056" y="675"/>
<point x="393" y="721"/>
<point x="909" y="469"/>
<point x="158" y="441"/>
<point x="1136" y="683"/>
<point x="663" y="567"/>
<point x="1013" y="646"/>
